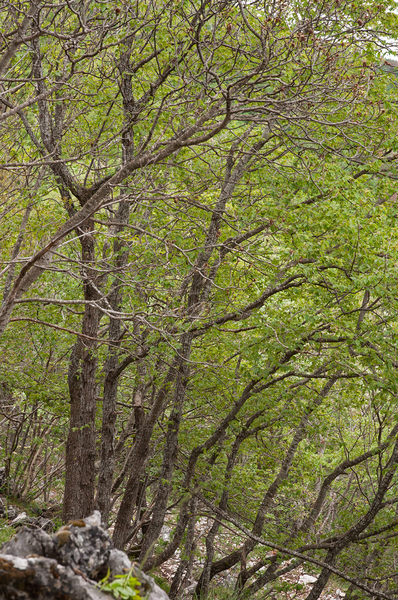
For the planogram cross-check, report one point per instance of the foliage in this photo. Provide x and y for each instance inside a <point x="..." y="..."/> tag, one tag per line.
<point x="162" y="582"/>
<point x="198" y="277"/>
<point x="125" y="587"/>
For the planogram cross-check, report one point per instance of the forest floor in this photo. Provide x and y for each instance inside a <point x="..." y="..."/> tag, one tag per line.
<point x="226" y="581"/>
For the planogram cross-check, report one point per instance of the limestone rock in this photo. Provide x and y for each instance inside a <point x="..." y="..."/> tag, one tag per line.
<point x="46" y="524"/>
<point x="37" y="566"/>
<point x="19" y="518"/>
<point x="84" y="546"/>
<point x="42" y="578"/>
<point x="11" y="512"/>
<point x="37" y="523"/>
<point x="156" y="592"/>
<point x="307" y="579"/>
<point x="118" y="562"/>
<point x="27" y="542"/>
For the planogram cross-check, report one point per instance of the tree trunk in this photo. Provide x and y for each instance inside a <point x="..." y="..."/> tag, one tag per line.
<point x="138" y="459"/>
<point x="107" y="464"/>
<point x="170" y="454"/>
<point x="121" y="253"/>
<point x="80" y="446"/>
<point x="185" y="566"/>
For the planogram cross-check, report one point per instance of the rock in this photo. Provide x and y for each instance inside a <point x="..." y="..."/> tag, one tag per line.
<point x="84" y="546"/>
<point x="27" y="542"/>
<point x="156" y="592"/>
<point x="307" y="579"/>
<point x="23" y="519"/>
<point x="339" y="593"/>
<point x="46" y="524"/>
<point x="118" y="562"/>
<point x="11" y="512"/>
<point x="20" y="517"/>
<point x="43" y="579"/>
<point x="165" y="533"/>
<point x="35" y="565"/>
<point x="94" y="519"/>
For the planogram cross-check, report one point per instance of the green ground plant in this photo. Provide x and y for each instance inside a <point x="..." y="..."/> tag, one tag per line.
<point x="123" y="587"/>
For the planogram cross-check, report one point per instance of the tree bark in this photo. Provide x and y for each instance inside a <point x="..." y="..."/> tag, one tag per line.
<point x="107" y="464"/>
<point x="80" y="446"/>
<point x="138" y="459"/>
<point x="170" y="453"/>
<point x="185" y="566"/>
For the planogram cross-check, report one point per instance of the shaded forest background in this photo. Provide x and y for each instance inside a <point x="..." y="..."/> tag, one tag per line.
<point x="198" y="268"/>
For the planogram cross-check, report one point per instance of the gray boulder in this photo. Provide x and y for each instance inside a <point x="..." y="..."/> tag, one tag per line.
<point x="27" y="543"/>
<point x="84" y="546"/>
<point x="11" y="512"/>
<point x="42" y="578"/>
<point x="65" y="566"/>
<point x="39" y="523"/>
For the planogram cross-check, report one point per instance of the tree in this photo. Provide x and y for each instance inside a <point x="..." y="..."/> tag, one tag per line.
<point x="208" y="175"/>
